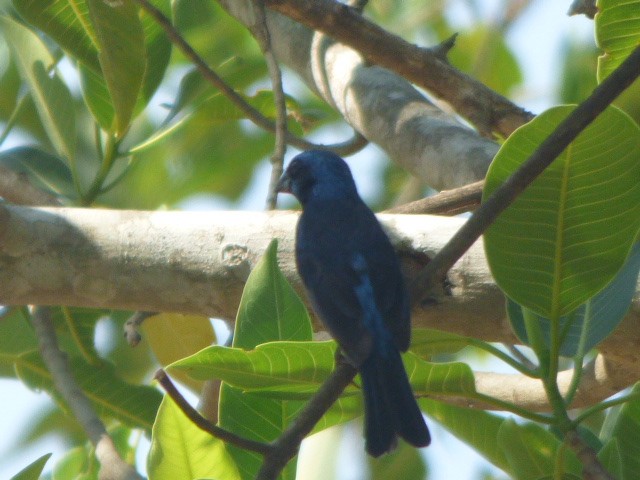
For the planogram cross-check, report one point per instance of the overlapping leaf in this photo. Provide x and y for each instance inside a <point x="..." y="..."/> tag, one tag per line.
<point x="620" y="431"/>
<point x="592" y="321"/>
<point x="179" y="449"/>
<point x="50" y="95"/>
<point x="570" y="232"/>
<point x="131" y="404"/>
<point x="617" y="32"/>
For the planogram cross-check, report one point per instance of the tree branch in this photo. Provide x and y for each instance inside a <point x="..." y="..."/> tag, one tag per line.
<point x="487" y="110"/>
<point x="197" y="262"/>
<point x="286" y="446"/>
<point x="204" y="424"/>
<point x="346" y="148"/>
<point x="112" y="465"/>
<point x="260" y="31"/>
<point x="537" y="162"/>
<point x="383" y="106"/>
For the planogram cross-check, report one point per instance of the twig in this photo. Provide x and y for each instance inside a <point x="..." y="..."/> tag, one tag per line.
<point x="112" y="465"/>
<point x="447" y="202"/>
<point x="344" y="148"/>
<point x="592" y="469"/>
<point x="132" y="326"/>
<point x="204" y="424"/>
<point x="287" y="444"/>
<point x="260" y="31"/>
<point x="583" y="7"/>
<point x="487" y="110"/>
<point x="540" y="159"/>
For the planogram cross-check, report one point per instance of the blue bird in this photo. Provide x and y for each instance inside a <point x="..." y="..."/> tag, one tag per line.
<point x="352" y="277"/>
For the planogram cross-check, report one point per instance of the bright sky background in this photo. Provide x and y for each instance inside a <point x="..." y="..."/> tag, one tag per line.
<point x="536" y="40"/>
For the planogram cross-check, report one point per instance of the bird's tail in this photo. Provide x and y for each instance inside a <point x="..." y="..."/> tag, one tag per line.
<point x="390" y="407"/>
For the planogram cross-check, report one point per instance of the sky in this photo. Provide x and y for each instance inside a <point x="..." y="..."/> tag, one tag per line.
<point x="536" y="40"/>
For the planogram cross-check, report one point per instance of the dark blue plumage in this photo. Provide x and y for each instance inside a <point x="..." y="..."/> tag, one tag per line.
<point x="353" y="279"/>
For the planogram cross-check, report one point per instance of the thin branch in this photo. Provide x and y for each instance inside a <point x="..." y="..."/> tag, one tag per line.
<point x="446" y="202"/>
<point x="65" y="384"/>
<point x="485" y="109"/>
<point x="287" y="445"/>
<point x="260" y="31"/>
<point x="540" y="159"/>
<point x="583" y="7"/>
<point x="345" y="148"/>
<point x="204" y="424"/>
<point x="132" y="327"/>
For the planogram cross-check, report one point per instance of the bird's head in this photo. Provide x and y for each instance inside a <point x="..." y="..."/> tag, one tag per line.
<point x="317" y="175"/>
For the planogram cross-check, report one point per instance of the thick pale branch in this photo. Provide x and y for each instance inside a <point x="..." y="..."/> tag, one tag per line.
<point x="198" y="262"/>
<point x="381" y="105"/>
<point x="486" y="109"/>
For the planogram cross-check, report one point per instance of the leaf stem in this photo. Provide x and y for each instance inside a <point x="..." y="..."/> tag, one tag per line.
<point x="110" y="154"/>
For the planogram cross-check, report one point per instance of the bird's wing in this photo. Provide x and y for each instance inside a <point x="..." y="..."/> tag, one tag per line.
<point x="331" y="289"/>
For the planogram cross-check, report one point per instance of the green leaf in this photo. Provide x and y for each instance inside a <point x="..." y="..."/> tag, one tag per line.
<point x="622" y="426"/>
<point x="568" y="234"/>
<point x="45" y="170"/>
<point x="269" y="310"/>
<point x="33" y="470"/>
<point x="16" y="337"/>
<point x="476" y="428"/>
<point x="405" y="462"/>
<point x="427" y="341"/>
<point x="611" y="459"/>
<point x="131" y="404"/>
<point x="617" y="33"/>
<point x="173" y="336"/>
<point x="179" y="449"/>
<point x="531" y="452"/>
<point x="51" y="96"/>
<point x="158" y="52"/>
<point x="592" y="321"/>
<point x="122" y="55"/>
<point x="67" y="22"/>
<point x="296" y="367"/>
<point x="96" y="96"/>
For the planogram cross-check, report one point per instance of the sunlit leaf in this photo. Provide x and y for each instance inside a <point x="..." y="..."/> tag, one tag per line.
<point x="173" y="336"/>
<point x="122" y="55"/>
<point x="617" y="32"/>
<point x="180" y="449"/>
<point x="568" y="234"/>
<point x="68" y="23"/>
<point x="269" y="310"/>
<point x="51" y="96"/>
<point x="592" y="321"/>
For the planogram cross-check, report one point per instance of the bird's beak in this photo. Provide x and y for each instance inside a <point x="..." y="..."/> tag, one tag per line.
<point x="284" y="184"/>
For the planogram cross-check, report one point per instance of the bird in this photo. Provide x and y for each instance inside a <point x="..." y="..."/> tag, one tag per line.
<point x="354" y="283"/>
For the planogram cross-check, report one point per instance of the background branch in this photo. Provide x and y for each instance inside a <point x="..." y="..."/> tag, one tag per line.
<point x="485" y="109"/>
<point x="345" y="148"/>
<point x="112" y="465"/>
<point x="381" y="105"/>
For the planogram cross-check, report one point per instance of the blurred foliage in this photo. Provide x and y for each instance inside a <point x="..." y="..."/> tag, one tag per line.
<point x="98" y="108"/>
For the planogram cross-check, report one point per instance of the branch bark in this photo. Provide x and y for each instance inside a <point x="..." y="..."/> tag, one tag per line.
<point x="195" y="262"/>
<point x="379" y="104"/>
<point x="486" y="109"/>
